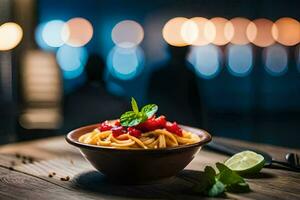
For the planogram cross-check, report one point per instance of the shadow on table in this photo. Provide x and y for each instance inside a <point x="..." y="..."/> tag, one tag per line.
<point x="172" y="188"/>
<point x="182" y="184"/>
<point x="260" y="175"/>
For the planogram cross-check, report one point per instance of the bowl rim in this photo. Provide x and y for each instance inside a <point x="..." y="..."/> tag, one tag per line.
<point x="206" y="139"/>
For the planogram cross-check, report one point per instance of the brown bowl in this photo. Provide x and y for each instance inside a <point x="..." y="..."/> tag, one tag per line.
<point x="136" y="166"/>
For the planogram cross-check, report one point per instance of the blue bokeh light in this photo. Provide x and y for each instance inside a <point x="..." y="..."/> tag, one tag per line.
<point x="206" y="60"/>
<point x="71" y="60"/>
<point x="39" y="39"/>
<point x="239" y="59"/>
<point x="53" y="34"/>
<point x="125" y="63"/>
<point x="276" y="60"/>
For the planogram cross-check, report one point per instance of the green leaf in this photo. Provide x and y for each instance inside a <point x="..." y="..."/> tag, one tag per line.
<point x="134" y="117"/>
<point x="205" y="181"/>
<point x="143" y="117"/>
<point x="213" y="184"/>
<point x="131" y="118"/>
<point x="217" y="189"/>
<point x="221" y="167"/>
<point x="127" y="118"/>
<point x="227" y="176"/>
<point x="210" y="171"/>
<point x="134" y="105"/>
<point x="149" y="110"/>
<point x="233" y="181"/>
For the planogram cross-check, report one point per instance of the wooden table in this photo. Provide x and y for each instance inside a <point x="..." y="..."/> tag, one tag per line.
<point x="28" y="177"/>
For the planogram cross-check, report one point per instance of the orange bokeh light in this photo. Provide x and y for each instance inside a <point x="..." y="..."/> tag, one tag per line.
<point x="206" y="31"/>
<point x="240" y="26"/>
<point x="80" y="32"/>
<point x="172" y="32"/>
<point x="224" y="30"/>
<point x="189" y="31"/>
<point x="259" y="32"/>
<point x="10" y="36"/>
<point x="127" y="34"/>
<point x="286" y="31"/>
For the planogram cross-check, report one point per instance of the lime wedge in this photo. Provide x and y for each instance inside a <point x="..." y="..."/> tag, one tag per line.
<point x="246" y="162"/>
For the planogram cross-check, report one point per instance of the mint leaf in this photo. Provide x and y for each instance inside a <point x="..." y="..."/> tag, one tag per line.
<point x="130" y="118"/>
<point x="208" y="170"/>
<point x="217" y="189"/>
<point x="134" y="105"/>
<point x="233" y="181"/>
<point x="213" y="184"/>
<point x="142" y="116"/>
<point x="149" y="110"/>
<point x="227" y="176"/>
<point x="135" y="117"/>
<point x="221" y="167"/>
<point x="206" y="181"/>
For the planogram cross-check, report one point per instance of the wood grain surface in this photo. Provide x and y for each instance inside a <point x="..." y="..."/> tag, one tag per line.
<point x="26" y="172"/>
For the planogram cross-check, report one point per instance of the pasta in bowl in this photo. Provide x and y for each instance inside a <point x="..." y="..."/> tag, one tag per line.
<point x="135" y="149"/>
<point x="151" y="139"/>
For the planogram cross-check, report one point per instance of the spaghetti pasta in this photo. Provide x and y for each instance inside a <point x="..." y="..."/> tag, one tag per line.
<point x="139" y="129"/>
<point x="159" y="138"/>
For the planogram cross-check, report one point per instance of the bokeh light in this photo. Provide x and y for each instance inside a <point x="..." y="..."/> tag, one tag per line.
<point x="286" y="31"/>
<point x="71" y="60"/>
<point x="172" y="32"/>
<point x="125" y="63"/>
<point x="206" y="31"/>
<point x="10" y="36"/>
<point x="127" y="34"/>
<point x="206" y="60"/>
<point x="189" y="31"/>
<point x="54" y="33"/>
<point x="80" y="32"/>
<point x="240" y="26"/>
<point x="224" y="30"/>
<point x="259" y="32"/>
<point x="39" y="38"/>
<point x="239" y="59"/>
<point x="276" y="59"/>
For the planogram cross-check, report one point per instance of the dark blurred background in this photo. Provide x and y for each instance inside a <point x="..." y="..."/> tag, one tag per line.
<point x="231" y="67"/>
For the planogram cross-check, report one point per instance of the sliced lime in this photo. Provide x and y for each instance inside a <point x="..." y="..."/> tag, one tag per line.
<point x="246" y="162"/>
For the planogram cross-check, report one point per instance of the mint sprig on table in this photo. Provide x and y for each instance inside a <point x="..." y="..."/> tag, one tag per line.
<point x="215" y="184"/>
<point x="135" y="117"/>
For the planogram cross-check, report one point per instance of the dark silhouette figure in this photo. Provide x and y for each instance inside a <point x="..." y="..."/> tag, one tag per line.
<point x="91" y="103"/>
<point x="174" y="88"/>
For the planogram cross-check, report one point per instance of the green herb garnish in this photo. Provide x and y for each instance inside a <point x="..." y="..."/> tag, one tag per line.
<point x="215" y="184"/>
<point x="135" y="117"/>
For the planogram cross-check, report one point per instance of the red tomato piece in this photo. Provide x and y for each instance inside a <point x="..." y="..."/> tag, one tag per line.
<point x="118" y="130"/>
<point x="134" y="132"/>
<point x="104" y="126"/>
<point x="117" y="123"/>
<point x="174" y="128"/>
<point x="161" y="121"/>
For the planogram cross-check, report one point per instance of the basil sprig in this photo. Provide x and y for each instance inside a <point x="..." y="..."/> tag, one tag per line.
<point x="135" y="117"/>
<point x="215" y="184"/>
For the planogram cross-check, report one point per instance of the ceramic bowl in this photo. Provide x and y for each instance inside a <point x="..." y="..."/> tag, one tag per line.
<point x="138" y="166"/>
